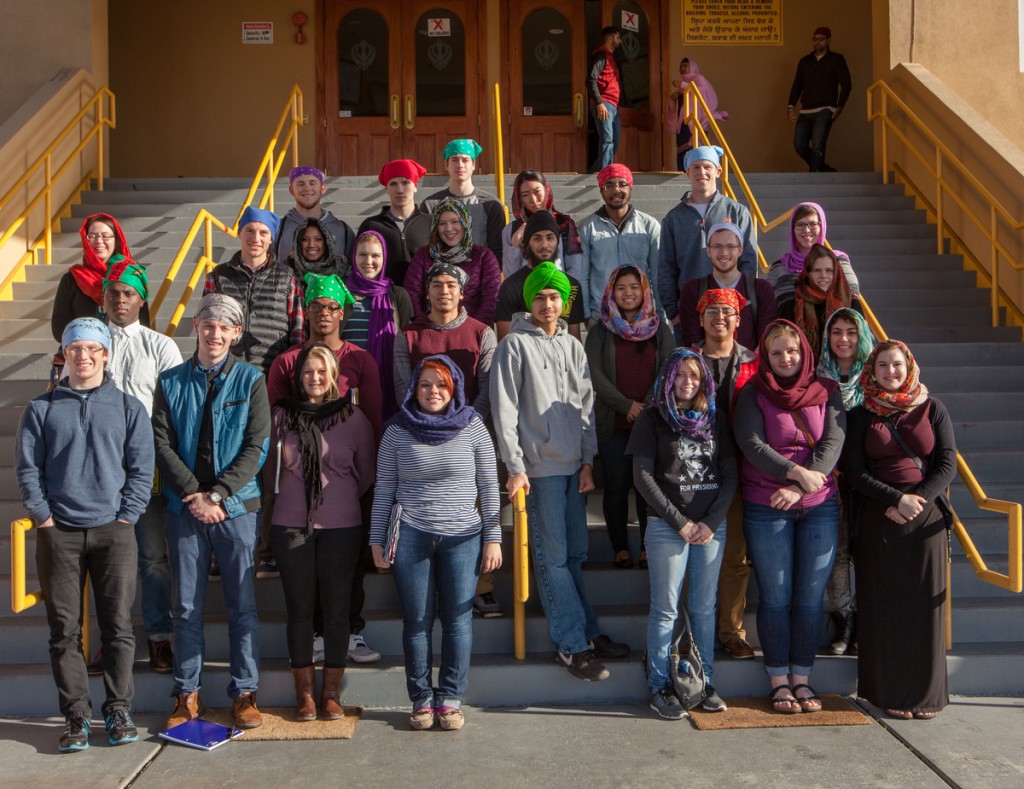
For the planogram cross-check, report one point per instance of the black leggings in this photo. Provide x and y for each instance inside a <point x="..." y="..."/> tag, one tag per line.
<point x="327" y="560"/>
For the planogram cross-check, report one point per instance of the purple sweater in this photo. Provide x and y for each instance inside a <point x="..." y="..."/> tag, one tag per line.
<point x="348" y="466"/>
<point x="479" y="297"/>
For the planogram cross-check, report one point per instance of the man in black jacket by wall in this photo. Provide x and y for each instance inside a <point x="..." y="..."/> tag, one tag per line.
<point x="822" y="86"/>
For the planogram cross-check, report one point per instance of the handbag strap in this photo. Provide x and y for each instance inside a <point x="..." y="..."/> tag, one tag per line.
<point x="903" y="444"/>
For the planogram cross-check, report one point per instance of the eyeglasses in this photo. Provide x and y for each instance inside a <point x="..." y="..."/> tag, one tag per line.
<point x="317" y="308"/>
<point x="725" y="312"/>
<point x="609" y="185"/>
<point x="803" y="227"/>
<point x="724" y="247"/>
<point x="98" y="236"/>
<point x="83" y="350"/>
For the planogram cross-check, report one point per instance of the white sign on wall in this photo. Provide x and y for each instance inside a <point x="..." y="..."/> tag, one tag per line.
<point x="257" y="32"/>
<point x="630" y="21"/>
<point x="439" y="27"/>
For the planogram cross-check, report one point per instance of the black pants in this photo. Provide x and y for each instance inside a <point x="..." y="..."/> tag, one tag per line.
<point x="618" y="480"/>
<point x="317" y="567"/>
<point x="109" y="555"/>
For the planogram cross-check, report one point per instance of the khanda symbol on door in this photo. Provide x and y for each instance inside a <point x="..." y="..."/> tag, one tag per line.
<point x="630" y="46"/>
<point x="440" y="54"/>
<point x="363" y="55"/>
<point x="546" y="54"/>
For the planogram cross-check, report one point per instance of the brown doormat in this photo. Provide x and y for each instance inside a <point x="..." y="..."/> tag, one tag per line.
<point x="279" y="724"/>
<point x="755" y="712"/>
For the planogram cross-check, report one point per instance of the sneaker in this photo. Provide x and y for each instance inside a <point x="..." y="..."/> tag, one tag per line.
<point x="318" y="648"/>
<point x="120" y="727"/>
<point x="267" y="569"/>
<point x="582" y="665"/>
<point x="486" y="606"/>
<point x="665" y="703"/>
<point x="214" y="572"/>
<point x="712" y="701"/>
<point x="358" y="652"/>
<point x="75" y="736"/>
<point x="605" y="648"/>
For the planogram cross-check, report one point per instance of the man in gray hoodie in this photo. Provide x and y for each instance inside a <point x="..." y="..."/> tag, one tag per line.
<point x="542" y="404"/>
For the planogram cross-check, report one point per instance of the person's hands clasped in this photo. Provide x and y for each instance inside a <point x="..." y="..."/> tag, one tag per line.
<point x="808" y="481"/>
<point x="204" y="510"/>
<point x="702" y="535"/>
<point x="911" y="505"/>
<point x="491" y="559"/>
<point x="893" y="514"/>
<point x="786" y="498"/>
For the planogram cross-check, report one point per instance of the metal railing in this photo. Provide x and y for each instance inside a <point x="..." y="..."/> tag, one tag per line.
<point x="269" y="168"/>
<point x="103" y="111"/>
<point x="499" y="153"/>
<point x="520" y="572"/>
<point x="937" y="163"/>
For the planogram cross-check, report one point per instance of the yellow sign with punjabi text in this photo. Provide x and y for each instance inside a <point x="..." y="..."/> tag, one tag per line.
<point x="732" y="22"/>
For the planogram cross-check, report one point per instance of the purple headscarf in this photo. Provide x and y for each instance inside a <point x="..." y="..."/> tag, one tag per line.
<point x="381" y="330"/>
<point x="794" y="259"/>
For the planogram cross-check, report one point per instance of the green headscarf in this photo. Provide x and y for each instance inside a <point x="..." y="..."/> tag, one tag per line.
<point x="545" y="275"/>
<point x="128" y="272"/>
<point x="470" y="148"/>
<point x="327" y="286"/>
<point x="828" y="365"/>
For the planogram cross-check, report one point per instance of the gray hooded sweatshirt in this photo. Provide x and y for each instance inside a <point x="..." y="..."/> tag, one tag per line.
<point x="542" y="401"/>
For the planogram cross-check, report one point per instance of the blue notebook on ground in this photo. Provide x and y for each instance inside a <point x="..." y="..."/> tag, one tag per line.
<point x="201" y="734"/>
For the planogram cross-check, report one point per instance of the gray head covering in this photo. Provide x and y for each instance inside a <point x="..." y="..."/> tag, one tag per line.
<point x="219" y="307"/>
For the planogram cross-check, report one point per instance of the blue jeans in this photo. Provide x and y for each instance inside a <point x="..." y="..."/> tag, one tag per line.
<point x="608" y="133"/>
<point x="431" y="567"/>
<point x="190" y="543"/>
<point x="154" y="570"/>
<point x="792" y="552"/>
<point x="557" y="514"/>
<point x="618" y="479"/>
<point x="671" y="559"/>
<point x="811" y="137"/>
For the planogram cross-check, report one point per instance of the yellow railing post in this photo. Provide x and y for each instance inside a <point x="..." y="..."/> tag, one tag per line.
<point x="994" y="230"/>
<point x="520" y="572"/>
<point x="499" y="156"/>
<point x="21" y="598"/>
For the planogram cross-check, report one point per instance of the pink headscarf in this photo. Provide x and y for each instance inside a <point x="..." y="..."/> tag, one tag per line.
<point x="794" y="259"/>
<point x="677" y="108"/>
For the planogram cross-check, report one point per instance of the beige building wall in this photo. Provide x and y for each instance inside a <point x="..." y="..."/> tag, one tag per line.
<point x="202" y="103"/>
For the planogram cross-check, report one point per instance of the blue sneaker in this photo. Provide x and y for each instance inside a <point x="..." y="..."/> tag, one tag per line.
<point x="75" y="736"/>
<point x="120" y="727"/>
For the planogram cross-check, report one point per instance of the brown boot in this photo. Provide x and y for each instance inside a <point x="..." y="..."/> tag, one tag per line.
<point x="245" y="713"/>
<point x="305" y="685"/>
<point x="186" y="707"/>
<point x="330" y="704"/>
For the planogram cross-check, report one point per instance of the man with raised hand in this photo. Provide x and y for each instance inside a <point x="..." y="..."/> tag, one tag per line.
<point x="308" y="186"/>
<point x="404" y="228"/>
<point x="683" y="253"/>
<point x="486" y="212"/>
<point x="211" y="425"/>
<point x="84" y="463"/>
<point x="543" y="409"/>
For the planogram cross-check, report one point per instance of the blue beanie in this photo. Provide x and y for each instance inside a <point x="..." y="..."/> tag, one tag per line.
<point x="710" y="153"/>
<point x="268" y="218"/>
<point x="86" y="329"/>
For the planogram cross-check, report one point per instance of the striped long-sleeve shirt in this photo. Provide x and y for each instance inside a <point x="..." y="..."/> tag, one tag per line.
<point x="438" y="485"/>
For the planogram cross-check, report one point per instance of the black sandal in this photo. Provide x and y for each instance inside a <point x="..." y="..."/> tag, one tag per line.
<point x="623" y="562"/>
<point x="794" y="703"/>
<point x="810" y="702"/>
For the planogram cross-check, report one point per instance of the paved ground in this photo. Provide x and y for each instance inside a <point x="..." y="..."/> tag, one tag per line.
<point x="976" y="742"/>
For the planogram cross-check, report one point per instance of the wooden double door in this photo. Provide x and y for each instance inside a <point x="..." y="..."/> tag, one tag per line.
<point x="398" y="79"/>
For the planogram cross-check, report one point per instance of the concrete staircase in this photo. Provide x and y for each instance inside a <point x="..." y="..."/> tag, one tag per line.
<point x="920" y="297"/>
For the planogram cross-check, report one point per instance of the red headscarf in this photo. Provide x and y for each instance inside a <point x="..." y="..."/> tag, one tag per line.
<point x="90" y="272"/>
<point x="615" y="171"/>
<point x="804" y="389"/>
<point x="808" y="297"/>
<point x="571" y="244"/>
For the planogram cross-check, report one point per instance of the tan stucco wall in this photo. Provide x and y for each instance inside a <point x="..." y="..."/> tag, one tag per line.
<point x="201" y="103"/>
<point x="753" y="82"/>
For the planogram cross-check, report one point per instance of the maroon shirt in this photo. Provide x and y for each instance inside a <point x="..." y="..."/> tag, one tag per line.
<point x="636" y="367"/>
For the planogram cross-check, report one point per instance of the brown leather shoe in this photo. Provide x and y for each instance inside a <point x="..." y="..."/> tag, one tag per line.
<point x="330" y="704"/>
<point x="305" y="683"/>
<point x="160" y="658"/>
<point x="245" y="713"/>
<point x="738" y="648"/>
<point x="186" y="707"/>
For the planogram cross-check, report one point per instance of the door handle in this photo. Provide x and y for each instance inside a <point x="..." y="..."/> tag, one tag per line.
<point x="410" y="111"/>
<point x="396" y="119"/>
<point x="577" y="110"/>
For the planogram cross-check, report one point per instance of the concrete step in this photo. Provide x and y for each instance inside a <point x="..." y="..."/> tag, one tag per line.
<point x="972" y="302"/>
<point x="943" y="380"/>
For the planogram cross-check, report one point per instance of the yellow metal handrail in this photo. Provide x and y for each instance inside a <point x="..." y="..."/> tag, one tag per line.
<point x="269" y="168"/>
<point x="104" y="115"/>
<point x="1013" y="580"/>
<point x="936" y="163"/>
<point x="499" y="155"/>
<point x="520" y="572"/>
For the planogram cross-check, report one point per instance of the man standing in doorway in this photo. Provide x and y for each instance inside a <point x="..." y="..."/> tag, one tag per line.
<point x="822" y="85"/>
<point x="604" y="87"/>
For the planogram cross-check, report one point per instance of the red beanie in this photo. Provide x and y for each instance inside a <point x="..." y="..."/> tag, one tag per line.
<point x="401" y="168"/>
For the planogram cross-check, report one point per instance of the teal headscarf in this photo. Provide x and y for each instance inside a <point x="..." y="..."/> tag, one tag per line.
<point x="466" y="147"/>
<point x="828" y="365"/>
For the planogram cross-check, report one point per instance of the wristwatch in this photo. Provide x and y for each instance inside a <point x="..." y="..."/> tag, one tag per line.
<point x="214" y="497"/>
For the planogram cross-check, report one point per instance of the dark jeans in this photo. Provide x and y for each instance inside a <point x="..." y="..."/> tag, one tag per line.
<point x="317" y="567"/>
<point x="154" y="570"/>
<point x="618" y="479"/>
<point x="109" y="555"/>
<point x="811" y="137"/>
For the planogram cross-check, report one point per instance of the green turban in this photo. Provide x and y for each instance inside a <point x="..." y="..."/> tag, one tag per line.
<point x="128" y="272"/>
<point x="470" y="148"/>
<point x="545" y="275"/>
<point x="329" y="286"/>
